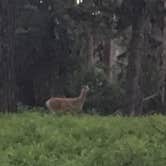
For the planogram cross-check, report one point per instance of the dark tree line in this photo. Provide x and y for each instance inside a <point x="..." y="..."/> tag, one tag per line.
<point x="52" y="47"/>
<point x="7" y="61"/>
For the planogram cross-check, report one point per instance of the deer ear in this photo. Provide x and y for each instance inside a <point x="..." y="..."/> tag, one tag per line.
<point x="86" y="87"/>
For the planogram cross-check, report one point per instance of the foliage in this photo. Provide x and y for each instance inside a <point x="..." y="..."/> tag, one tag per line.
<point x="104" y="97"/>
<point x="55" y="39"/>
<point x="41" y="139"/>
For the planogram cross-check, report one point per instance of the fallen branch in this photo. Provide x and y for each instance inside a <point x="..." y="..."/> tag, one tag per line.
<point x="151" y="97"/>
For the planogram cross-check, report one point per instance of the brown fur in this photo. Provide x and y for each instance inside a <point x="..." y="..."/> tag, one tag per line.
<point x="67" y="104"/>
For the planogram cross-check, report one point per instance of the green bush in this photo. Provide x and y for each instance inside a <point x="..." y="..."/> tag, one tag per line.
<point x="104" y="97"/>
<point x="40" y="139"/>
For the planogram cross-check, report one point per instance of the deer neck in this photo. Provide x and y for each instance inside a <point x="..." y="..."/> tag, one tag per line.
<point x="82" y="96"/>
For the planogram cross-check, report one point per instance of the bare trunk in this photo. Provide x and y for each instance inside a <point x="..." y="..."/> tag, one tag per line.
<point x="90" y="57"/>
<point x="7" y="69"/>
<point x="163" y="65"/>
<point x="134" y="93"/>
<point x="107" y="58"/>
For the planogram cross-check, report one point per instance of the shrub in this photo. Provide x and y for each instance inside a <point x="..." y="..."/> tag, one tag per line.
<point x="36" y="139"/>
<point x="104" y="97"/>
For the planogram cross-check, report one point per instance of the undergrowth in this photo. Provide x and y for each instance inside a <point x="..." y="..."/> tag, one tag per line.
<point x="42" y="139"/>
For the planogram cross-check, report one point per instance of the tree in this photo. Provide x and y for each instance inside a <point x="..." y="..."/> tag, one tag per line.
<point x="7" y="50"/>
<point x="163" y="56"/>
<point x="136" y="53"/>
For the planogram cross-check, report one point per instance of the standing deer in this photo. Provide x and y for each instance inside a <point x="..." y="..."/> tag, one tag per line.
<point x="68" y="104"/>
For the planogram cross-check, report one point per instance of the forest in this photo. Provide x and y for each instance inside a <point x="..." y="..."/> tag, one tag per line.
<point x="54" y="47"/>
<point x="82" y="82"/>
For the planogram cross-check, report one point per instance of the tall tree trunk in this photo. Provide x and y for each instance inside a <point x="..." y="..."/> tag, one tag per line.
<point x="90" y="57"/>
<point x="163" y="59"/>
<point x="134" y="93"/>
<point x="107" y="58"/>
<point x="7" y="47"/>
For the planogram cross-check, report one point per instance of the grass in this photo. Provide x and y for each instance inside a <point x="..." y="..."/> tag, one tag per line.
<point x="41" y="139"/>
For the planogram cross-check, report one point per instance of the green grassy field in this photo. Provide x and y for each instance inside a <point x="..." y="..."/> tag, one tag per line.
<point x="40" y="139"/>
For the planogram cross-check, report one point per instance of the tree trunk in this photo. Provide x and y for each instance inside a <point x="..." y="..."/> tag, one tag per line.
<point x="7" y="48"/>
<point x="163" y="65"/>
<point x="107" y="58"/>
<point x="134" y="93"/>
<point x="90" y="57"/>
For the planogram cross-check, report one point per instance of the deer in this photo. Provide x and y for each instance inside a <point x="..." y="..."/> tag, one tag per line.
<point x="66" y="104"/>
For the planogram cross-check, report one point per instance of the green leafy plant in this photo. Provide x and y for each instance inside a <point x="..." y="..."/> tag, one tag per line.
<point x="33" y="138"/>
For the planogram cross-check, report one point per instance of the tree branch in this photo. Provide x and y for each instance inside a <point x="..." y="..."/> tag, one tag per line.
<point x="150" y="97"/>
